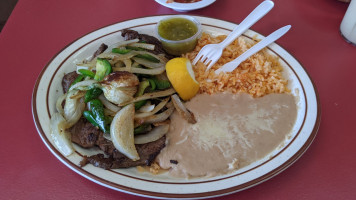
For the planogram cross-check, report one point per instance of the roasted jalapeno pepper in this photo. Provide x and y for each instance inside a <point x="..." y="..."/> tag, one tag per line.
<point x="78" y="79"/>
<point x="162" y="84"/>
<point x="135" y="48"/>
<point x="89" y="116"/>
<point x="103" y="68"/>
<point x="141" y="89"/>
<point x="159" y="84"/>
<point x="139" y="104"/>
<point x="120" y="51"/>
<point x="97" y="111"/>
<point x="92" y="94"/>
<point x="87" y="73"/>
<point x="142" y="129"/>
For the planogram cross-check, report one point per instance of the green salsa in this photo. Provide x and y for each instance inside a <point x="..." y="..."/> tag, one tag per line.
<point x="173" y="33"/>
<point x="177" y="29"/>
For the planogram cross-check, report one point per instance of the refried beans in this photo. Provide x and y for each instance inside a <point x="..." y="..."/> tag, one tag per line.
<point x="232" y="131"/>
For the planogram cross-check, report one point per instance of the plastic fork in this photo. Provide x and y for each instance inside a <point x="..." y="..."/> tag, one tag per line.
<point x="212" y="52"/>
<point x="230" y="66"/>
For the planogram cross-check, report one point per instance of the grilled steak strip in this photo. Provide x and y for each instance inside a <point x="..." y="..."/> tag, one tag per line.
<point x="147" y="153"/>
<point x="68" y="80"/>
<point x="131" y="34"/>
<point x="100" y="50"/>
<point x="86" y="135"/>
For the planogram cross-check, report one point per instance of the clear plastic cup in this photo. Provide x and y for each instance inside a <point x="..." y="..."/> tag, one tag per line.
<point x="179" y="47"/>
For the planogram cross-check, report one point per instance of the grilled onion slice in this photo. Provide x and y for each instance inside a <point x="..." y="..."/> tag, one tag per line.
<point x="153" y="135"/>
<point x="122" y="132"/>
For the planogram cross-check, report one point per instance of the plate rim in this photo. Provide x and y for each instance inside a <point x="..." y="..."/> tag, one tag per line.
<point x="145" y="193"/>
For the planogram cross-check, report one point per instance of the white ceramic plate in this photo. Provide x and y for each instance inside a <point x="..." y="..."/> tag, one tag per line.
<point x="184" y="7"/>
<point x="48" y="89"/>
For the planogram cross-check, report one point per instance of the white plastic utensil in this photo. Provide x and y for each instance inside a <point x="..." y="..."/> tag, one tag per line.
<point x="212" y="52"/>
<point x="230" y="66"/>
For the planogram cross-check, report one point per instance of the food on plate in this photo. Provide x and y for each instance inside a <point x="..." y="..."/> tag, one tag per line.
<point x="178" y="34"/>
<point x="140" y="105"/>
<point x="241" y="116"/>
<point x="231" y="132"/>
<point x="120" y="86"/>
<point x="122" y="132"/>
<point x="119" y="101"/>
<point x="182" y="110"/>
<point x="181" y="75"/>
<point x="259" y="75"/>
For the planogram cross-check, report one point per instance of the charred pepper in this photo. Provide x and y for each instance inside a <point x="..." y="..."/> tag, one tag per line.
<point x="97" y="112"/>
<point x="103" y="68"/>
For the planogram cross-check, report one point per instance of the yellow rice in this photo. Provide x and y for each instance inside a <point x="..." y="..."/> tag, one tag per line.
<point x="259" y="75"/>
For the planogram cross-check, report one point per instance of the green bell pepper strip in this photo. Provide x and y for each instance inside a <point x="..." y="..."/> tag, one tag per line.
<point x="139" y="104"/>
<point x="152" y="84"/>
<point x="103" y="68"/>
<point x="89" y="116"/>
<point x="108" y="120"/>
<point x="135" y="48"/>
<point x="87" y="73"/>
<point x="78" y="79"/>
<point x="141" y="129"/>
<point x="120" y="51"/>
<point x="148" y="57"/>
<point x="143" y="56"/>
<point x="97" y="109"/>
<point x="162" y="84"/>
<point x="92" y="94"/>
<point x="142" y="87"/>
<point x="159" y="84"/>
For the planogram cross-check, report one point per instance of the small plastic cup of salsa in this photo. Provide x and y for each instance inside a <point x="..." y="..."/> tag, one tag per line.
<point x="179" y="34"/>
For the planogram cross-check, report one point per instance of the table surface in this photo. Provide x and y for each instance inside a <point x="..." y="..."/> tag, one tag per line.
<point x="37" y="30"/>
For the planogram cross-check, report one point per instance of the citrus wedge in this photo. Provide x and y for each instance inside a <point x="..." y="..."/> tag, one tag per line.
<point x="122" y="132"/>
<point x="180" y="73"/>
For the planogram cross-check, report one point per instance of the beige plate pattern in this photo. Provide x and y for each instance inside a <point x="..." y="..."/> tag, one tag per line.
<point x="48" y="88"/>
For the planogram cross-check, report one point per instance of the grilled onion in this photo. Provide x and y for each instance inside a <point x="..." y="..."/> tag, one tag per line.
<point x="136" y="70"/>
<point x="73" y="108"/>
<point x="156" y="118"/>
<point x="148" y="64"/>
<point x="143" y="45"/>
<point x="119" y="87"/>
<point x="122" y="132"/>
<point x="123" y="43"/>
<point x="59" y="103"/>
<point x="153" y="135"/>
<point x="182" y="110"/>
<point x="154" y="111"/>
<point x="60" y="136"/>
<point x="83" y="85"/>
<point x="150" y="96"/>
<point x="108" y="104"/>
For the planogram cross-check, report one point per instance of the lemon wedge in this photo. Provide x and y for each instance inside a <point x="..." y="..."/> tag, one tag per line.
<point x="122" y="132"/>
<point x="180" y="73"/>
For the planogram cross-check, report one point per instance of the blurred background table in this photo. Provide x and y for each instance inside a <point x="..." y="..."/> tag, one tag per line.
<point x="38" y="29"/>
